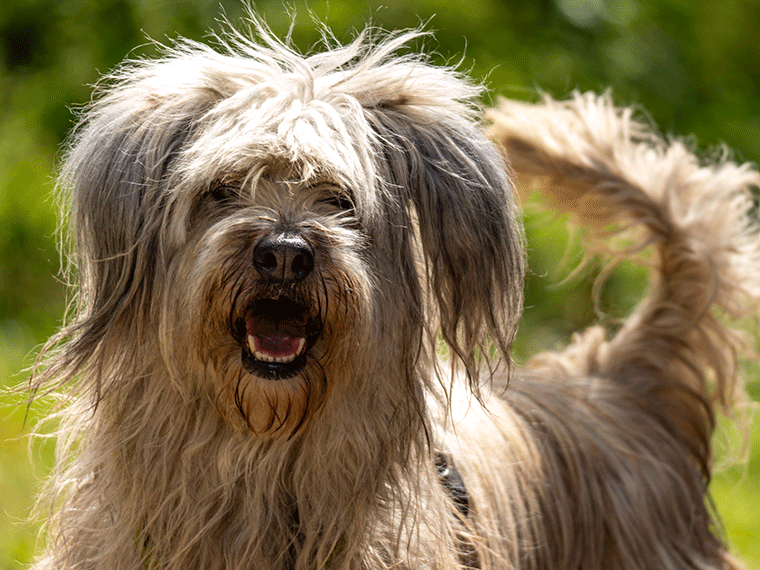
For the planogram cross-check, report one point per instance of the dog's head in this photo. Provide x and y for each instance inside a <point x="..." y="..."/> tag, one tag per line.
<point x="274" y="229"/>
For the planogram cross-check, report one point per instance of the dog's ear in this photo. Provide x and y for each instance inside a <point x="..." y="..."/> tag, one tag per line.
<point x="114" y="184"/>
<point x="472" y="243"/>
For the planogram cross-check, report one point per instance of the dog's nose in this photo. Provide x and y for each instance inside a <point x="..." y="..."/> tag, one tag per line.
<point x="283" y="257"/>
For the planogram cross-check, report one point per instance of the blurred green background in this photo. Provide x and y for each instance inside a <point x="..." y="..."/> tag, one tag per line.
<point x="694" y="66"/>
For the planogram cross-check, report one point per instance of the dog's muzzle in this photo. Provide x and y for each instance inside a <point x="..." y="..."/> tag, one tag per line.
<point x="277" y="331"/>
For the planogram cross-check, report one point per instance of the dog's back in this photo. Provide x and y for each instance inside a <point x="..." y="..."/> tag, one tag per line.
<point x="609" y="442"/>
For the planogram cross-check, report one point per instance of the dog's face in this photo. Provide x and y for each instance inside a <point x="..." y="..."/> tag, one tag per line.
<point x="282" y="271"/>
<point x="279" y="232"/>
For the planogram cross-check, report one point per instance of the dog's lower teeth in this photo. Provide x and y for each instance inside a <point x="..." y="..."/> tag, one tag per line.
<point x="263" y="357"/>
<point x="279" y="359"/>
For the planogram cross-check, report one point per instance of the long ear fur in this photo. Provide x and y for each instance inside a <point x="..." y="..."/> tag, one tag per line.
<point x="113" y="183"/>
<point x="472" y="245"/>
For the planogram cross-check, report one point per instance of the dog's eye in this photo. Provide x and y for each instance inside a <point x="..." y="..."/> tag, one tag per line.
<point x="222" y="192"/>
<point x="339" y="202"/>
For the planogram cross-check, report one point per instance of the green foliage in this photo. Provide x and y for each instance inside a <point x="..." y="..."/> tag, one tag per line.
<point x="692" y="65"/>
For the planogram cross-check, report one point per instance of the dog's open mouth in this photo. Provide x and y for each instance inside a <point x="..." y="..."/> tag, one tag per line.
<point x="276" y="335"/>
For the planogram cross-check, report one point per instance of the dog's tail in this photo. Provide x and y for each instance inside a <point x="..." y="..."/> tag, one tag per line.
<point x="618" y="178"/>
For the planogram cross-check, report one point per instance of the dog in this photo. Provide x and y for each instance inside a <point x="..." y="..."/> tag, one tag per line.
<point x="298" y="279"/>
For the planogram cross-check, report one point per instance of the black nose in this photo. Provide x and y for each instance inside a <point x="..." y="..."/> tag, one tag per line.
<point x="283" y="257"/>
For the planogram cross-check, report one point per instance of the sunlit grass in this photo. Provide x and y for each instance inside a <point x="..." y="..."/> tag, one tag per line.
<point x="24" y="461"/>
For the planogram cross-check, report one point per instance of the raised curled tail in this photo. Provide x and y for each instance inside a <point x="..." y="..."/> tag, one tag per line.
<point x="617" y="177"/>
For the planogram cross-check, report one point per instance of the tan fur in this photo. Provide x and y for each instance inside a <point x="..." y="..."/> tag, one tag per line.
<point x="390" y="231"/>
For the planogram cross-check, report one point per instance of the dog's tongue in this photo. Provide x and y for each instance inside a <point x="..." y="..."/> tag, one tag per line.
<point x="276" y="345"/>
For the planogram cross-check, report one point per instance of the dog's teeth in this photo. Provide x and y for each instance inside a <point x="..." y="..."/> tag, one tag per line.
<point x="269" y="358"/>
<point x="264" y="357"/>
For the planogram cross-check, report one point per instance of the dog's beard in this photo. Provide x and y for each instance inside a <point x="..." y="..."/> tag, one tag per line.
<point x="274" y="348"/>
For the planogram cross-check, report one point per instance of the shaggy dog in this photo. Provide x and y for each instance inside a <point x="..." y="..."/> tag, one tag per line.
<point x="298" y="282"/>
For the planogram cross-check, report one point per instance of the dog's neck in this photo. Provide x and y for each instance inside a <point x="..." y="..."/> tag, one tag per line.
<point x="297" y="498"/>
